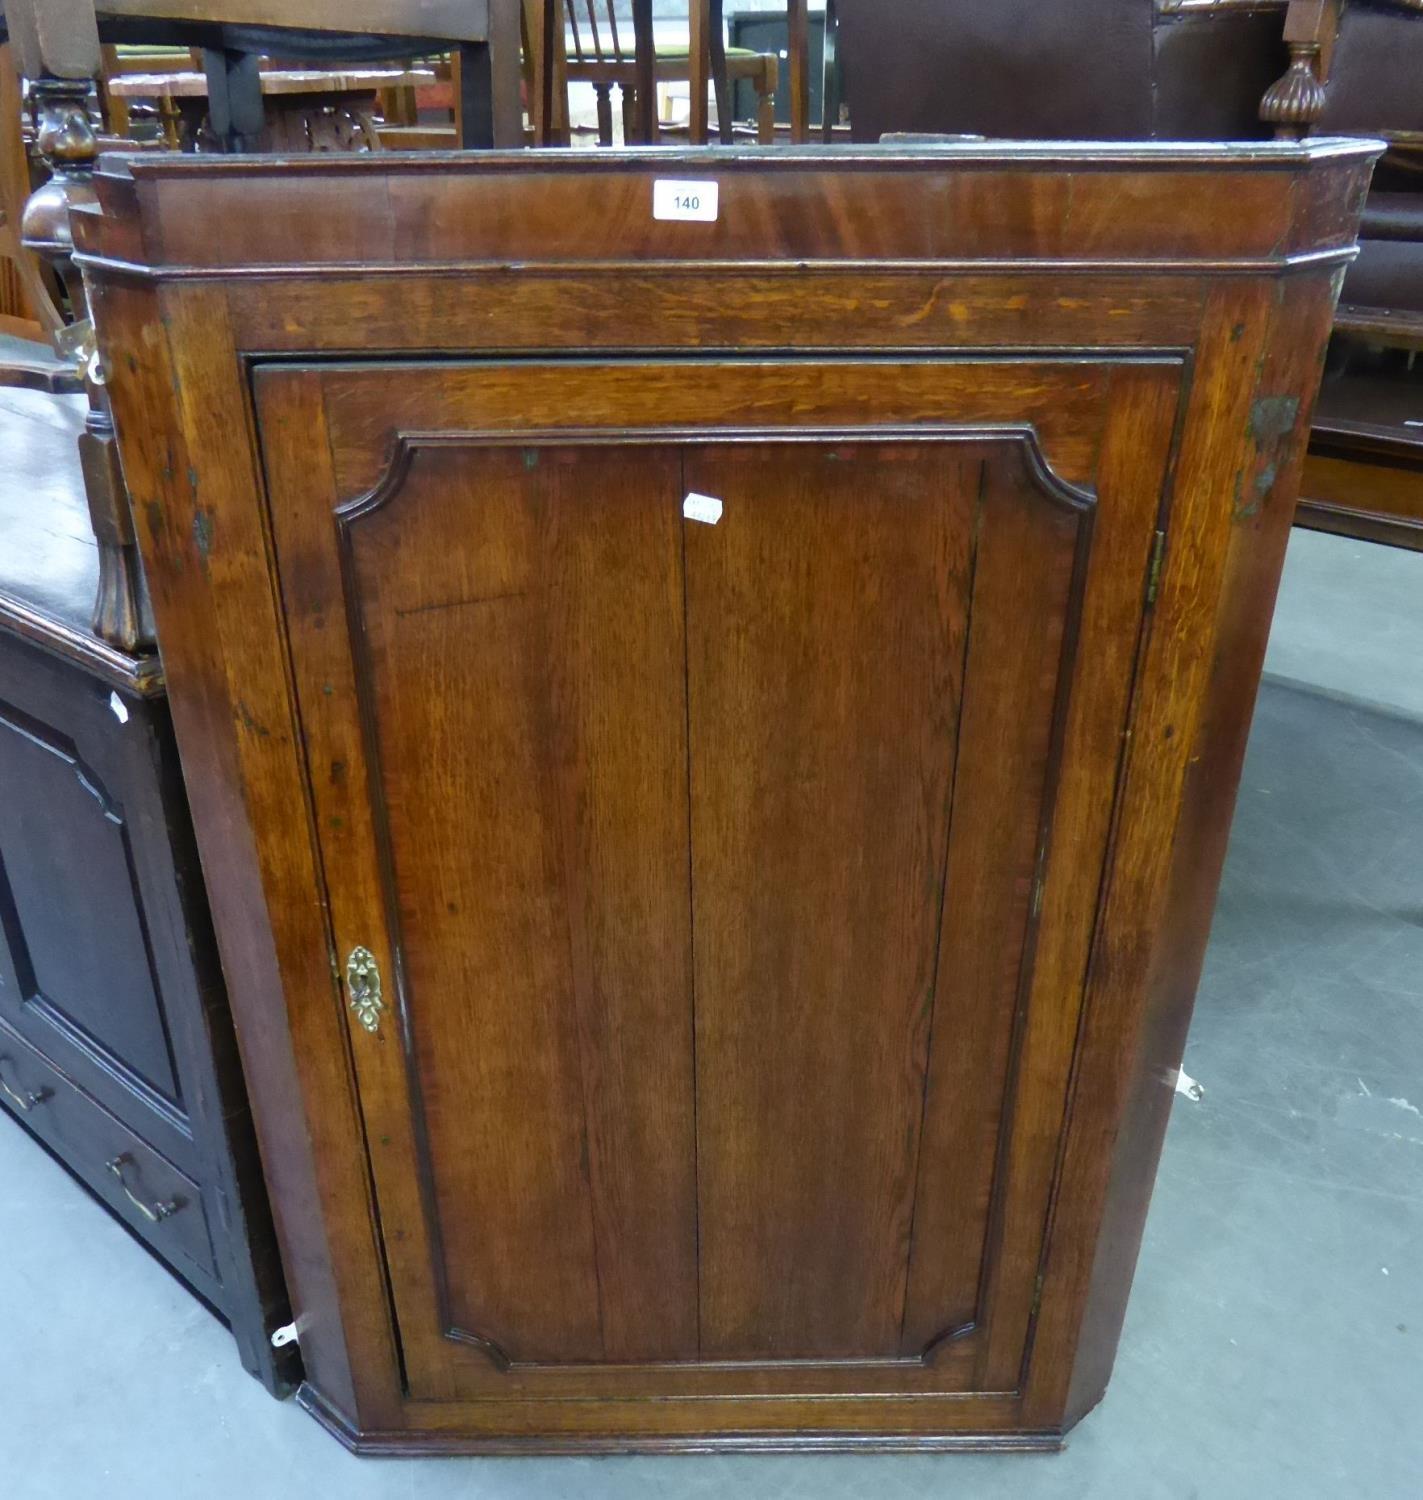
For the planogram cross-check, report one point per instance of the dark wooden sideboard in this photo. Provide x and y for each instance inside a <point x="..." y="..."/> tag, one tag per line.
<point x="712" y="745"/>
<point x="116" y="1046"/>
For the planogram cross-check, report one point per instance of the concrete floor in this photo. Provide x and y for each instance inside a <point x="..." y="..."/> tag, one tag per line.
<point x="1274" y="1344"/>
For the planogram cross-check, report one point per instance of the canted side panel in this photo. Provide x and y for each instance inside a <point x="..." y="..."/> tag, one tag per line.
<point x="518" y="620"/>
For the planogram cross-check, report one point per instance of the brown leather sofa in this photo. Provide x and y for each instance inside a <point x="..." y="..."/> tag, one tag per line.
<point x="1088" y="69"/>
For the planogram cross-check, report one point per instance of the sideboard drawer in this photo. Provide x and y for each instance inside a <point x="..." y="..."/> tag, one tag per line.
<point x="148" y="1192"/>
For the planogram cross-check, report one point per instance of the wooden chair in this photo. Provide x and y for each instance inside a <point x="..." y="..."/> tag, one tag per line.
<point x="304" y="109"/>
<point x="592" y="42"/>
<point x="28" y="310"/>
<point x="1356" y="69"/>
<point x="121" y="63"/>
<point x="59" y="44"/>
<point x="234" y="33"/>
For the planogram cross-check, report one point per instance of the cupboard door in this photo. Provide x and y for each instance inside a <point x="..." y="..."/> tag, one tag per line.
<point x="520" y="848"/>
<point x="704" y="862"/>
<point x="89" y="960"/>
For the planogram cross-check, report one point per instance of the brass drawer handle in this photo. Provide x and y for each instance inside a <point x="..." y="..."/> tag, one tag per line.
<point x="26" y="1100"/>
<point x="159" y="1211"/>
<point x="363" y="986"/>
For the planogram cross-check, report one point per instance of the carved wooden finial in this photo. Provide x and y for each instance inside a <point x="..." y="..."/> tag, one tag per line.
<point x="1295" y="101"/>
<point x="68" y="145"/>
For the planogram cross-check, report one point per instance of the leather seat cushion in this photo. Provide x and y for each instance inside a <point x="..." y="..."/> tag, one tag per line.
<point x="1388" y="273"/>
<point x="1008" y="68"/>
<point x="1375" y="398"/>
<point x="1374" y="80"/>
<point x="1393" y="216"/>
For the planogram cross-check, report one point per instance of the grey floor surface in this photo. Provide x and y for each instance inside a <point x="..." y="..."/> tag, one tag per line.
<point x="1274" y="1345"/>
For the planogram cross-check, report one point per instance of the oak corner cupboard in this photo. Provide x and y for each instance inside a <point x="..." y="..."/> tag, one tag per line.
<point x="712" y="743"/>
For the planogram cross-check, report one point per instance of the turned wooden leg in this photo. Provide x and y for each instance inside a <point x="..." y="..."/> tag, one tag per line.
<point x="629" y="97"/>
<point x="765" y="83"/>
<point x="604" y="91"/>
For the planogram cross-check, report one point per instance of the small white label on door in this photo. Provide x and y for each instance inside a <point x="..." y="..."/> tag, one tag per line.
<point x="675" y="199"/>
<point x="120" y="708"/>
<point x="702" y="508"/>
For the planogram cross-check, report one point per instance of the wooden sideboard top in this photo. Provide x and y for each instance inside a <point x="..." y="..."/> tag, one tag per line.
<point x="1159" y="206"/>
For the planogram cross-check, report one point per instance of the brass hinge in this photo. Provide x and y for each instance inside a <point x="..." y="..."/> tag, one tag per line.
<point x="1153" y="575"/>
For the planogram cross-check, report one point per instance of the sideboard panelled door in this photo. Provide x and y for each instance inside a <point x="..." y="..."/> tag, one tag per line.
<point x="685" y="845"/>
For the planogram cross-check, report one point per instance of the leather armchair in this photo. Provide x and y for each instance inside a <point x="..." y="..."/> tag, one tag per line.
<point x="1089" y="69"/>
<point x="1364" y="474"/>
<point x="1374" y="85"/>
<point x="1134" y="69"/>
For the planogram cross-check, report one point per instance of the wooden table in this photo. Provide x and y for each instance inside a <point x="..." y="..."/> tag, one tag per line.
<point x="712" y="686"/>
<point x="60" y="39"/>
<point x="307" y="108"/>
<point x="277" y="82"/>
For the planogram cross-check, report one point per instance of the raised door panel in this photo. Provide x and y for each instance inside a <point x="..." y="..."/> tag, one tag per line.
<point x="706" y="863"/>
<point x="519" y="616"/>
<point x="77" y="970"/>
<point x="509" y="836"/>
<point x="873" y="691"/>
